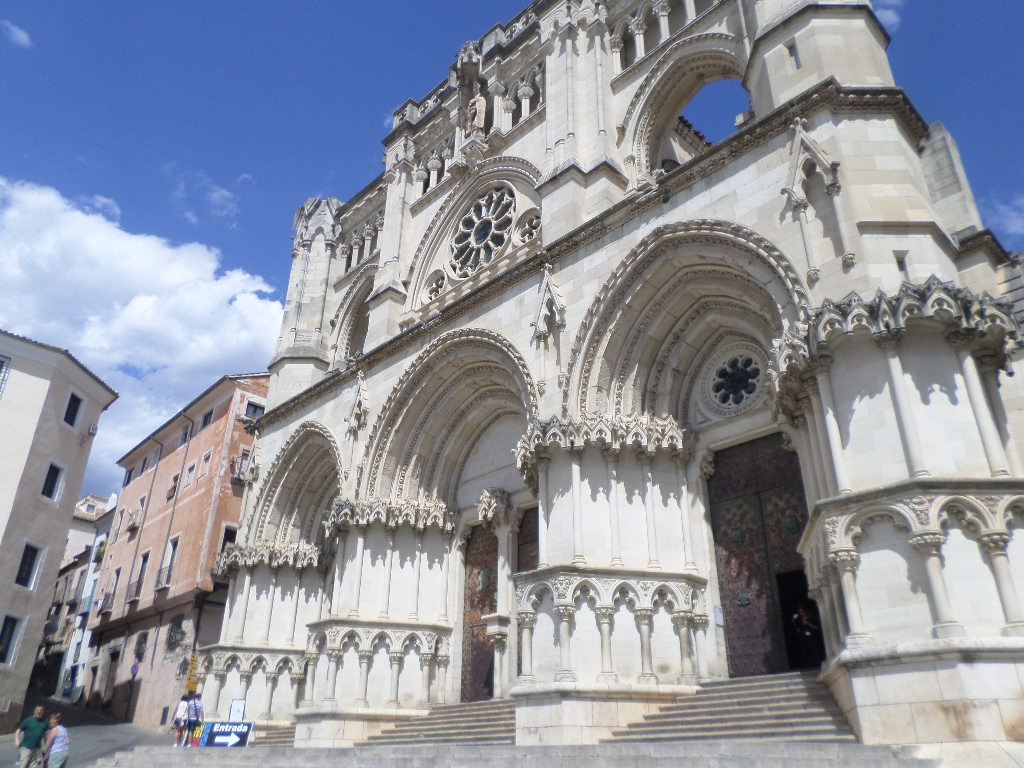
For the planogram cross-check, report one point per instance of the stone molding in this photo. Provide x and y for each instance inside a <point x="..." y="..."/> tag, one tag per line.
<point x="639" y="590"/>
<point x="298" y="556"/>
<point x="217" y="659"/>
<point x="336" y="635"/>
<point x="429" y="513"/>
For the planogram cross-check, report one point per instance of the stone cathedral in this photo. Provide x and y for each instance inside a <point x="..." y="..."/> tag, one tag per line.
<point x="575" y="408"/>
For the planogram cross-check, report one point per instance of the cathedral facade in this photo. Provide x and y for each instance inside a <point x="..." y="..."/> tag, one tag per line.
<point x="575" y="407"/>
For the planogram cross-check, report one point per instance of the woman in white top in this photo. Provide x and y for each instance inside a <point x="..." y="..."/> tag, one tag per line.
<point x="57" y="743"/>
<point x="180" y="714"/>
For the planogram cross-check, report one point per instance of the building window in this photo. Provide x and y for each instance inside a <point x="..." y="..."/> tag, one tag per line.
<point x="207" y="418"/>
<point x="51" y="485"/>
<point x="205" y="467"/>
<point x="184" y="436"/>
<point x="145" y="463"/>
<point x="190" y="474"/>
<point x="794" y="55"/>
<point x="8" y="633"/>
<point x="27" y="567"/>
<point x="229" y="537"/>
<point x="174" y="487"/>
<point x="253" y="410"/>
<point x="72" y="410"/>
<point x="127" y="476"/>
<point x="5" y="368"/>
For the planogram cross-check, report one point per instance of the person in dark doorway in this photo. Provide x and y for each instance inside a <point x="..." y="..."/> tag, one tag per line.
<point x="807" y="631"/>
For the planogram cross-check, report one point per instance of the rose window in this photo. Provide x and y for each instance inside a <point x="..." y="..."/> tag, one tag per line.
<point x="483" y="231"/>
<point x="736" y="380"/>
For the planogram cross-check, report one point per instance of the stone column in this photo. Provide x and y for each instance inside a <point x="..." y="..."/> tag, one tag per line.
<point x="446" y="557"/>
<point x="699" y="622"/>
<point x="605" y="617"/>
<point x="360" y="546"/>
<point x="691" y="11"/>
<point x="564" y="614"/>
<point x="681" y="620"/>
<point x="646" y="462"/>
<point x="577" y="506"/>
<point x="990" y="376"/>
<point x="527" y="620"/>
<point x="930" y="545"/>
<point x="442" y="678"/>
<point x="310" y="682"/>
<point x="211" y="694"/>
<point x="321" y="593"/>
<point x="901" y="404"/>
<point x="839" y="610"/>
<point x="426" y="660"/>
<point x="296" y="680"/>
<point x="990" y="438"/>
<point x="295" y="606"/>
<point x="365" y="657"/>
<point x="846" y="563"/>
<point x="268" y="616"/>
<point x="645" y="620"/>
<point x="995" y="544"/>
<point x="543" y="464"/>
<point x="367" y="245"/>
<point x="499" y="641"/>
<point x="611" y="459"/>
<point x="638" y="26"/>
<point x="389" y="561"/>
<point x="822" y="596"/>
<point x="243" y="605"/>
<point x="681" y="460"/>
<point x="504" y="572"/>
<point x="245" y="679"/>
<point x="661" y="9"/>
<point x="229" y="608"/>
<point x="268" y="713"/>
<point x="338" y="572"/>
<point x="434" y="167"/>
<point x="615" y="46"/>
<point x="396" y="670"/>
<point x="828" y="415"/>
<point x="333" y="659"/>
<point x="414" y="614"/>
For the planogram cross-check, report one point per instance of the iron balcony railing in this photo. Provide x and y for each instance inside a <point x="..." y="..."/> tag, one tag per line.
<point x="134" y="590"/>
<point x="107" y="603"/>
<point x="163" y="577"/>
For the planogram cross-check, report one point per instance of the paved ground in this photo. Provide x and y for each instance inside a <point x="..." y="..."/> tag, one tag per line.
<point x="92" y="735"/>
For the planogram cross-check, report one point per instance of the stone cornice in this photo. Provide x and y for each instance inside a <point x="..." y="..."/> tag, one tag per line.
<point x="298" y="556"/>
<point x="391" y="514"/>
<point x="826" y="95"/>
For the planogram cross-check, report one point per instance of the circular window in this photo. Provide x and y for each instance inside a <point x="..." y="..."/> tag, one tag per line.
<point x="732" y="379"/>
<point x="483" y="231"/>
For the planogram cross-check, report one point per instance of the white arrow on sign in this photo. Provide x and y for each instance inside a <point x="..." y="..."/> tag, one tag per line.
<point x="230" y="740"/>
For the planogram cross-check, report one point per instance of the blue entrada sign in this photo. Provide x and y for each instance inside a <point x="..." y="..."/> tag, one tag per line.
<point x="225" y="735"/>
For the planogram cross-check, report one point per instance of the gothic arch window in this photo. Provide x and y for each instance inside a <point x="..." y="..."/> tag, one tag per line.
<point x="710" y="115"/>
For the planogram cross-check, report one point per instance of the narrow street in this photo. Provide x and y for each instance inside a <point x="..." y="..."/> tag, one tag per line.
<point x="93" y="735"/>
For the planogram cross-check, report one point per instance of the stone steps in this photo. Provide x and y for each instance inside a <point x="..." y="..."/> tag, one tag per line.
<point x="790" y="706"/>
<point x="274" y="736"/>
<point x="733" y="753"/>
<point x="490" y="722"/>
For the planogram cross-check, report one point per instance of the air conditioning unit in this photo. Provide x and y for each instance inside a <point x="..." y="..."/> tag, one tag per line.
<point x="93" y="429"/>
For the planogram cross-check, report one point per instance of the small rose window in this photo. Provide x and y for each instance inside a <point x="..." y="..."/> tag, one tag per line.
<point x="736" y="380"/>
<point x="483" y="232"/>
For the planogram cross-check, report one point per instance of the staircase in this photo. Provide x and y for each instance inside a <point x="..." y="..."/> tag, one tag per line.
<point x="478" y="722"/>
<point x="274" y="736"/>
<point x="792" y="706"/>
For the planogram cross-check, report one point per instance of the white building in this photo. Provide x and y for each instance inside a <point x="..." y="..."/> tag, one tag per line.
<point x="50" y="405"/>
<point x="571" y="405"/>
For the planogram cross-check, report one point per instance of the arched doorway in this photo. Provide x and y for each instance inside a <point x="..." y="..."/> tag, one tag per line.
<point x="758" y="513"/>
<point x="479" y="599"/>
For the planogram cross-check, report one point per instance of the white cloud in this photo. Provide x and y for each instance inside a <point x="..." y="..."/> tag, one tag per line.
<point x="15" y="34"/>
<point x="888" y="12"/>
<point x="196" y="190"/>
<point x="104" y="206"/>
<point x="1007" y="219"/>
<point x="158" y="322"/>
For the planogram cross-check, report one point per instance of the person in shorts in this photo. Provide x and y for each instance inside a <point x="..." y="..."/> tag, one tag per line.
<point x="57" y="743"/>
<point x="180" y="716"/>
<point x="29" y="738"/>
<point x="193" y="717"/>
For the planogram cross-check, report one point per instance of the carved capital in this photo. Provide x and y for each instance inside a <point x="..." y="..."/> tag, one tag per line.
<point x="644" y="615"/>
<point x="845" y="559"/>
<point x="605" y="614"/>
<point x="930" y="543"/>
<point x="699" y="621"/>
<point x="272" y="677"/>
<point x="681" y="619"/>
<point x="820" y="364"/>
<point x="996" y="542"/>
<point x="527" y="619"/>
<point x="962" y="339"/>
<point x="365" y="657"/>
<point x="396" y="657"/>
<point x="565" y="612"/>
<point x="441" y="660"/>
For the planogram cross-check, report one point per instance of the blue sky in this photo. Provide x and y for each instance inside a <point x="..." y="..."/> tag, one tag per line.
<point x="152" y="155"/>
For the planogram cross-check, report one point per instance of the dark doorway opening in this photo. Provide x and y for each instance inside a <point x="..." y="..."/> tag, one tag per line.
<point x="480" y="599"/>
<point x="758" y="513"/>
<point x="804" y="646"/>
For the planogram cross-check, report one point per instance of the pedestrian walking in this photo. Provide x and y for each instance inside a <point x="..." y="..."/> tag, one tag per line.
<point x="29" y="738"/>
<point x="57" y="743"/>
<point x="193" y="718"/>
<point x="180" y="718"/>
